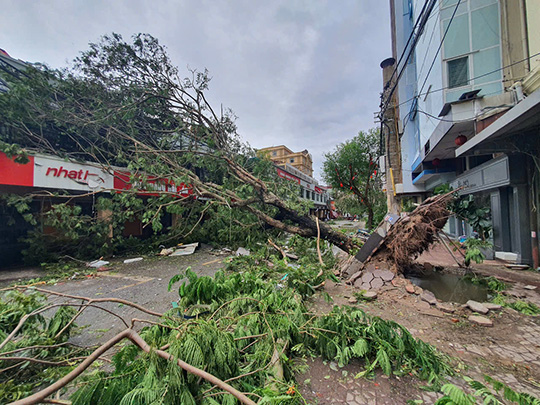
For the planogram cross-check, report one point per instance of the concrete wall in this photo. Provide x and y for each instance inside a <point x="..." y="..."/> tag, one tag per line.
<point x="514" y="40"/>
<point x="406" y="91"/>
<point x="533" y="22"/>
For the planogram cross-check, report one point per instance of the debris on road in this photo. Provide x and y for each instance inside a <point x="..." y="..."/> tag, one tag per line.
<point x="185" y="250"/>
<point x="477" y="307"/>
<point x="242" y="252"/>
<point x="96" y="264"/>
<point x="134" y="260"/>
<point x="166" y="251"/>
<point x="480" y="320"/>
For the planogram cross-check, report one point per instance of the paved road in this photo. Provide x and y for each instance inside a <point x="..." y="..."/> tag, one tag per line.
<point x="144" y="283"/>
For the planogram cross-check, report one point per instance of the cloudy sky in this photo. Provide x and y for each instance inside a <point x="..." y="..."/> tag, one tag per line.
<point x="304" y="73"/>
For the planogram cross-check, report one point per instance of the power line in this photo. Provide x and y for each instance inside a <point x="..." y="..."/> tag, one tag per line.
<point x="421" y="23"/>
<point x="440" y="45"/>
<point x="411" y="36"/>
<point x="471" y="79"/>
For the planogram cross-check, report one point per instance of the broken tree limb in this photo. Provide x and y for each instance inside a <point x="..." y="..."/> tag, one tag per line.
<point x="450" y="251"/>
<point x="278" y="249"/>
<point x="319" y="243"/>
<point x="453" y="243"/>
<point x="141" y="343"/>
<point x="89" y="300"/>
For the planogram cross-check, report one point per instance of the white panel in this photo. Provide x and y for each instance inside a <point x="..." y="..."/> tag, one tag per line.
<point x="59" y="174"/>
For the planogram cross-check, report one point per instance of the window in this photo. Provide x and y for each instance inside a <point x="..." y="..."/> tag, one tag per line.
<point x="458" y="72"/>
<point x="274" y="153"/>
<point x="292" y="160"/>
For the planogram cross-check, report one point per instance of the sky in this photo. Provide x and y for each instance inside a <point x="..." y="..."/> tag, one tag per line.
<point x="303" y="73"/>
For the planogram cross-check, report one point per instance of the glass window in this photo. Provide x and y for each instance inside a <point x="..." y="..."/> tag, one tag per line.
<point x="485" y="27"/>
<point x="485" y="62"/>
<point x="292" y="160"/>
<point x="456" y="42"/>
<point x="458" y="72"/>
<point x="274" y="153"/>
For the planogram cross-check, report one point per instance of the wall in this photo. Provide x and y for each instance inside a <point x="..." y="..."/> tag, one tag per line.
<point x="404" y="22"/>
<point x="533" y="22"/>
<point x="430" y="100"/>
<point x="475" y="33"/>
<point x="514" y="40"/>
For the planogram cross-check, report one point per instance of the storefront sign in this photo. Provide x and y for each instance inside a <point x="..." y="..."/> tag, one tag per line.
<point x="283" y="174"/>
<point x="59" y="174"/>
<point x="53" y="173"/>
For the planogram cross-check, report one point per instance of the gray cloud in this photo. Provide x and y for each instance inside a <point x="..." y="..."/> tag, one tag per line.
<point x="303" y="73"/>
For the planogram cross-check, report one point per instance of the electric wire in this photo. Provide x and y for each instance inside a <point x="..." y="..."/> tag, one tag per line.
<point x="471" y="79"/>
<point x="440" y="45"/>
<point x="411" y="36"/>
<point x="420" y="23"/>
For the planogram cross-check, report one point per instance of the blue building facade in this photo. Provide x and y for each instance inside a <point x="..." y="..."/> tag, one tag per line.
<point x="461" y="66"/>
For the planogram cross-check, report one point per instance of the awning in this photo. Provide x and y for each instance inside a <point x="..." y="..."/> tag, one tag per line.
<point x="525" y="115"/>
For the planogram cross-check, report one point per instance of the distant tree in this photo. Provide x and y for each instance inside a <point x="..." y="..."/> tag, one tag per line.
<point x="352" y="169"/>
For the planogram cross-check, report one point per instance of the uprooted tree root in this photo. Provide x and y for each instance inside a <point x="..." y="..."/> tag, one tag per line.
<point x="411" y="235"/>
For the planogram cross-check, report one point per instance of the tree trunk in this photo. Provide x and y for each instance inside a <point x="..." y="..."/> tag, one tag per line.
<point x="369" y="224"/>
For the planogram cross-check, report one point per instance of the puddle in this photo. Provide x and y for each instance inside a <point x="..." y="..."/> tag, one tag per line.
<point x="450" y="287"/>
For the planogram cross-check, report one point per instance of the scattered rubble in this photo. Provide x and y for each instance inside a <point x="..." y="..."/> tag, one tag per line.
<point x="166" y="252"/>
<point x="370" y="295"/>
<point x="134" y="260"/>
<point x="477" y="307"/>
<point x="96" y="264"/>
<point x="480" y="320"/>
<point x="372" y="279"/>
<point x="491" y="306"/>
<point x="429" y="297"/>
<point x="445" y="307"/>
<point x="242" y="252"/>
<point x="185" y="250"/>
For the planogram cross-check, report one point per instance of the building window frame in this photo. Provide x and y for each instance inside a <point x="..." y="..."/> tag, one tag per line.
<point x="455" y="82"/>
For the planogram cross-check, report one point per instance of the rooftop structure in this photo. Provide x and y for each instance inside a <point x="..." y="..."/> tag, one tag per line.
<point x="281" y="155"/>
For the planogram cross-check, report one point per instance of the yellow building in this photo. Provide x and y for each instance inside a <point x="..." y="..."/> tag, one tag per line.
<point x="281" y="155"/>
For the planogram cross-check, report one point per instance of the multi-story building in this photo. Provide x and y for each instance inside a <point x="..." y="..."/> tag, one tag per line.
<point x="281" y="156"/>
<point x="460" y="106"/>
<point x="298" y="168"/>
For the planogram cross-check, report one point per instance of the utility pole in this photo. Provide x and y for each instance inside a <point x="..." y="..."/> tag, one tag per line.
<point x="390" y="135"/>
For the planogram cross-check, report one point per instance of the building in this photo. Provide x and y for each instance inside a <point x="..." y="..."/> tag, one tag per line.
<point x="460" y="105"/>
<point x="298" y="167"/>
<point x="281" y="156"/>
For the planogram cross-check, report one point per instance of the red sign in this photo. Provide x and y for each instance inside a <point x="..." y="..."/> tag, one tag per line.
<point x="123" y="181"/>
<point x="283" y="174"/>
<point x="16" y="174"/>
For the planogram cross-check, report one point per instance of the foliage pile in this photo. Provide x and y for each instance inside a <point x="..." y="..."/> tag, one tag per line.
<point x="248" y="326"/>
<point x="41" y="353"/>
<point x="255" y="321"/>
<point x="498" y="394"/>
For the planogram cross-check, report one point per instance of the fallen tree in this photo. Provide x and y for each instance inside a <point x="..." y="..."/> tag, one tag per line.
<point x="242" y="345"/>
<point x="125" y="105"/>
